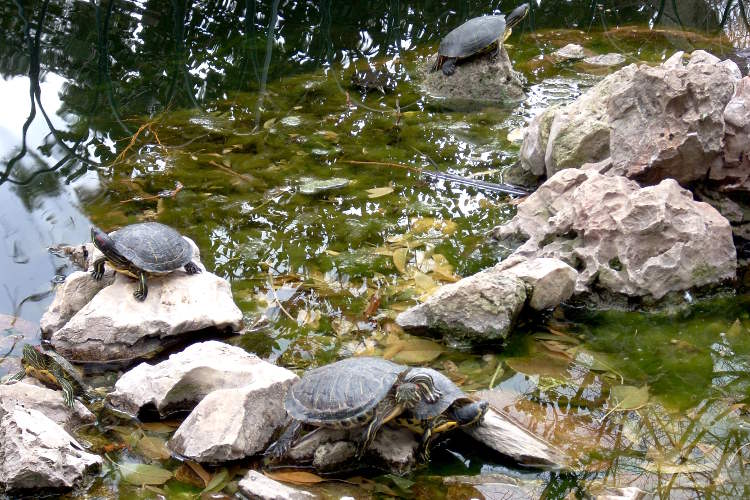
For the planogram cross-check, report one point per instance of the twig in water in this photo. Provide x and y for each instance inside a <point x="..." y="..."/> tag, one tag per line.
<point x="276" y="297"/>
<point x="169" y="193"/>
<point x="228" y="170"/>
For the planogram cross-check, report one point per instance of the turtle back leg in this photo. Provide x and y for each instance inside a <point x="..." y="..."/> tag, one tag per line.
<point x="386" y="410"/>
<point x="449" y="66"/>
<point x="437" y="64"/>
<point x="142" y="291"/>
<point x="98" y="270"/>
<point x="191" y="268"/>
<point x="281" y="447"/>
<point x="67" y="387"/>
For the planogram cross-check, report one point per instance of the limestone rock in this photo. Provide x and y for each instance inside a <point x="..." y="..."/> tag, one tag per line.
<point x="534" y="147"/>
<point x="612" y="59"/>
<point x="257" y="486"/>
<point x="304" y="450"/>
<point x="394" y="449"/>
<point x="330" y="455"/>
<point x="229" y="424"/>
<point x="185" y="378"/>
<point x="71" y="296"/>
<point x="47" y="401"/>
<point x="479" y="78"/>
<point x="481" y="307"/>
<point x="570" y="52"/>
<point x="551" y="281"/>
<point x="36" y="453"/>
<point x="733" y="174"/>
<point x="623" y="239"/>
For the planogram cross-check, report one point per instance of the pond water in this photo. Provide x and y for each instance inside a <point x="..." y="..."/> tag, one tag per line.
<point x="210" y="117"/>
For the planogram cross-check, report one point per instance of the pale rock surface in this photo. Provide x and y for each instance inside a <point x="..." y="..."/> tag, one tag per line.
<point x="71" y="296"/>
<point x="185" y="378"/>
<point x="551" y="281"/>
<point x="395" y="449"/>
<point x="611" y="59"/>
<point x="229" y="424"/>
<point x="570" y="52"/>
<point x="733" y="174"/>
<point x="47" y="401"/>
<point x="256" y="486"/>
<point x="495" y="485"/>
<point x="623" y="239"/>
<point x="534" y="148"/>
<point x="36" y="453"/>
<point x="478" y="308"/>
<point x="479" y="78"/>
<point x="331" y="455"/>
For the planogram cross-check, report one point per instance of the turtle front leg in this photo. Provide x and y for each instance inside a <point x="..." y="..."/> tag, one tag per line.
<point x="424" y="445"/>
<point x="142" y="291"/>
<point x="281" y="447"/>
<point x="98" y="270"/>
<point x="496" y="52"/>
<point x="384" y="412"/>
<point x="191" y="268"/>
<point x="449" y="66"/>
<point x="437" y="64"/>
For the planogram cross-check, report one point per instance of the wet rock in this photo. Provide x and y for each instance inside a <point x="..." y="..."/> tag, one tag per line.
<point x="478" y="308"/>
<point x="230" y="424"/>
<point x="570" y="52"/>
<point x="394" y="449"/>
<point x="480" y="78"/>
<point x="318" y="186"/>
<point x="185" y="378"/>
<point x="47" y="401"/>
<point x="257" y="486"/>
<point x="493" y="485"/>
<point x="36" y="453"/>
<point x="113" y="325"/>
<point x="331" y="455"/>
<point x="304" y="449"/>
<point x="612" y="59"/>
<point x="623" y="240"/>
<point x="551" y="281"/>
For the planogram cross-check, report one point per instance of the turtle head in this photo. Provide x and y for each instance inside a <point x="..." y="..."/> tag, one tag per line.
<point x="101" y="240"/>
<point x="517" y="15"/>
<point x="415" y="388"/>
<point x="470" y="414"/>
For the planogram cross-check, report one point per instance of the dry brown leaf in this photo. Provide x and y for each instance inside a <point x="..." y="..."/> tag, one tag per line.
<point x="185" y="474"/>
<point x="294" y="477"/>
<point x="200" y="471"/>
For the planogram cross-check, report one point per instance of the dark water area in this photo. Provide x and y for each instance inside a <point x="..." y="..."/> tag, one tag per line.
<point x="105" y="105"/>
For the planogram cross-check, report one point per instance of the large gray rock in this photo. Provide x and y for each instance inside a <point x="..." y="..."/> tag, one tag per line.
<point x="481" y="79"/>
<point x="478" y="308"/>
<point x="185" y="378"/>
<point x="36" y="453"/>
<point x="733" y="173"/>
<point x="257" y="486"/>
<point x="113" y="325"/>
<point x="47" y="401"/>
<point x="534" y="149"/>
<point x="623" y="240"/>
<point x="229" y="424"/>
<point x="551" y="281"/>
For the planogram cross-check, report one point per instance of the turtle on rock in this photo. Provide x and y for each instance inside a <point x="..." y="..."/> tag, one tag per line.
<point x="141" y="250"/>
<point x="476" y="36"/>
<point x="356" y="392"/>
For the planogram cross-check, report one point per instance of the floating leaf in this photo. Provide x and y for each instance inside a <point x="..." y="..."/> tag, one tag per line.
<point x="218" y="481"/>
<point x="186" y="475"/>
<point x="269" y="123"/>
<point x="629" y="397"/>
<point x="539" y="365"/>
<point x="158" y="427"/>
<point x="399" y="259"/>
<point x="400" y="482"/>
<point x="294" y="477"/>
<point x="141" y="474"/>
<point x="378" y="192"/>
<point x="154" y="448"/>
<point x="199" y="470"/>
<point x="735" y="330"/>
<point x="413" y="351"/>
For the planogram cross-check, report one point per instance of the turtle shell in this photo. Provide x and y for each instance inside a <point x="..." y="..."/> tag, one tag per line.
<point x="152" y="247"/>
<point x="472" y="36"/>
<point x="341" y="391"/>
<point x="449" y="393"/>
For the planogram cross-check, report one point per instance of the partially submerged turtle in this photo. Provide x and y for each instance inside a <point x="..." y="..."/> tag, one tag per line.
<point x="350" y="393"/>
<point x="476" y="36"/>
<point x="53" y="371"/>
<point x="141" y="250"/>
<point x="453" y="409"/>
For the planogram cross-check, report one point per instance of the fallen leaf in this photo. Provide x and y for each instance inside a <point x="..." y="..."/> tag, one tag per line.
<point x="218" y="481"/>
<point x="378" y="192"/>
<point x="294" y="477"/>
<point x="153" y="447"/>
<point x="628" y="397"/>
<point x="269" y="123"/>
<point x="141" y="474"/>
<point x="372" y="306"/>
<point x="185" y="474"/>
<point x="424" y="283"/>
<point x="158" y="427"/>
<point x="413" y="351"/>
<point x="199" y="470"/>
<point x="399" y="259"/>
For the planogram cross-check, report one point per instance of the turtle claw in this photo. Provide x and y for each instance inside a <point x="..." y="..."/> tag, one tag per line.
<point x="140" y="295"/>
<point x="191" y="268"/>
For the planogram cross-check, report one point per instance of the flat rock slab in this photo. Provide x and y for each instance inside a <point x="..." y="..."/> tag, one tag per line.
<point x="106" y="323"/>
<point x="185" y="378"/>
<point x="47" y="401"/>
<point x="36" y="453"/>
<point x="229" y="424"/>
<point x="257" y="486"/>
<point x="612" y="59"/>
<point x="571" y="52"/>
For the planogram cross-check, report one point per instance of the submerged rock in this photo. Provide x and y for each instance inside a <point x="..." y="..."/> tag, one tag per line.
<point x="493" y="485"/>
<point x="37" y="454"/>
<point x="570" y="52"/>
<point x="47" y="401"/>
<point x="94" y="321"/>
<point x="180" y="382"/>
<point x="623" y="240"/>
<point x="481" y="78"/>
<point x="257" y="486"/>
<point x="612" y="59"/>
<point x="318" y="186"/>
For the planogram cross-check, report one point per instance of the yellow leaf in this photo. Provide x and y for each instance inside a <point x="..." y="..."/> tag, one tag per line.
<point x="413" y="351"/>
<point x="629" y="397"/>
<point x="268" y="124"/>
<point x="294" y="477"/>
<point x="448" y="227"/>
<point x="378" y="192"/>
<point x="422" y="225"/>
<point x="200" y="471"/>
<point x="383" y="251"/>
<point x="399" y="259"/>
<point x="332" y="253"/>
<point x="424" y="283"/>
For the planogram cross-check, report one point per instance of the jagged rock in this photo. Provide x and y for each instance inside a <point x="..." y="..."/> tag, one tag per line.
<point x="570" y="52"/>
<point x="257" y="486"/>
<point x="481" y="307"/>
<point x="331" y="455"/>
<point x="612" y="59"/>
<point x="304" y="449"/>
<point x="733" y="174"/>
<point x="113" y="325"/>
<point x="534" y="148"/>
<point x="185" y="378"/>
<point x="47" y="401"/>
<point x="480" y="78"/>
<point x="551" y="281"/>
<point x="36" y="453"/>
<point x="229" y="424"/>
<point x="394" y="449"/>
<point x="623" y="240"/>
<point x="71" y="296"/>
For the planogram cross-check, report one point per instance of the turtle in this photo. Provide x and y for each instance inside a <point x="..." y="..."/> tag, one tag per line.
<point x="476" y="36"/>
<point x="52" y="370"/>
<point x="356" y="392"/>
<point x="453" y="409"/>
<point x="141" y="250"/>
